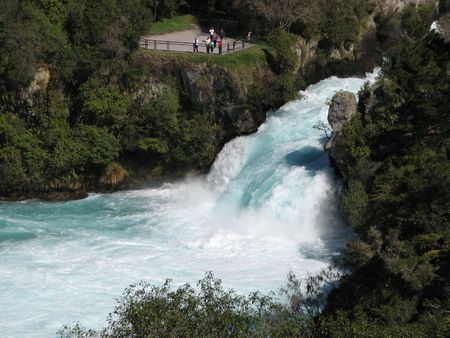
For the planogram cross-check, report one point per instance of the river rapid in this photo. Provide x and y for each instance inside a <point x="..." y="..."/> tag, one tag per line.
<point x="267" y="207"/>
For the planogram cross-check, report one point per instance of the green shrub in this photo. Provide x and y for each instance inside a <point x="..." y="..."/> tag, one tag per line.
<point x="103" y="147"/>
<point x="12" y="170"/>
<point x="416" y="20"/>
<point x="103" y="105"/>
<point x="354" y="203"/>
<point x="152" y="146"/>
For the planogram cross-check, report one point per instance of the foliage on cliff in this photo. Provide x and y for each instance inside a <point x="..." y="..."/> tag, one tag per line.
<point x="397" y="197"/>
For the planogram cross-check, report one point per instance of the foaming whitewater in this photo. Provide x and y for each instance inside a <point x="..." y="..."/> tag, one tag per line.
<point x="267" y="207"/>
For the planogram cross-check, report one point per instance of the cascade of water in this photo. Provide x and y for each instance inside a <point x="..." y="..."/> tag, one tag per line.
<point x="267" y="207"/>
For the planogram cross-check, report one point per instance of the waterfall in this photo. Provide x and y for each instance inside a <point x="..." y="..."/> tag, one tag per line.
<point x="267" y="207"/>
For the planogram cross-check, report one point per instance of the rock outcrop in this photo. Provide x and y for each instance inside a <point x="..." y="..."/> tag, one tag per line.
<point x="38" y="85"/>
<point x="398" y="5"/>
<point x="321" y="59"/>
<point x="343" y="107"/>
<point x="213" y="89"/>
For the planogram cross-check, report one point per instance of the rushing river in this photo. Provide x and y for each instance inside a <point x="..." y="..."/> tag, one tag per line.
<point x="267" y="207"/>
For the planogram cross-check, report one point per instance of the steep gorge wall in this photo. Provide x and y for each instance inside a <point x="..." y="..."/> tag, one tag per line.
<point x="318" y="61"/>
<point x="210" y="88"/>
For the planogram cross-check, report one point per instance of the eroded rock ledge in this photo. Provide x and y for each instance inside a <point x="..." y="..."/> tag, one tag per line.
<point x="342" y="108"/>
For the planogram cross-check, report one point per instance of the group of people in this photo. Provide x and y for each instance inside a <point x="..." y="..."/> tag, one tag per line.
<point x="212" y="41"/>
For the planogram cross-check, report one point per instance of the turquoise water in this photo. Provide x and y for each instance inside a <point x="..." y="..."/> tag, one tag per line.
<point x="267" y="207"/>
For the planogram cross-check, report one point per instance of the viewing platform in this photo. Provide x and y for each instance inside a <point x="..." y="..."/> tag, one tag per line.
<point x="183" y="41"/>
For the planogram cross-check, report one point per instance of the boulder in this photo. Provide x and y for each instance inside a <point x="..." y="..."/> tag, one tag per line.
<point x="342" y="108"/>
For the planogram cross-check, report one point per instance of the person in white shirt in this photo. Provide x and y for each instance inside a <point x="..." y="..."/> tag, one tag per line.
<point x="208" y="44"/>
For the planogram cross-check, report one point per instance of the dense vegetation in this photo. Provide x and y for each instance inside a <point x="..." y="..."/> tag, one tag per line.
<point x="209" y="310"/>
<point x="397" y="176"/>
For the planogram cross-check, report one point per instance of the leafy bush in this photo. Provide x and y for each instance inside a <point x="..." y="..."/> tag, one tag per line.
<point x="208" y="310"/>
<point x="354" y="203"/>
<point x="103" y="105"/>
<point x="153" y="146"/>
<point x="103" y="147"/>
<point x="285" y="60"/>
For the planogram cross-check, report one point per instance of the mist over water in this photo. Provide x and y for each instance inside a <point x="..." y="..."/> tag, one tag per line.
<point x="267" y="207"/>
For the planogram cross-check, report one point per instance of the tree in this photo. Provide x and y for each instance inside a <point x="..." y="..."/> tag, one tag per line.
<point x="104" y="106"/>
<point x="282" y="13"/>
<point x="322" y="126"/>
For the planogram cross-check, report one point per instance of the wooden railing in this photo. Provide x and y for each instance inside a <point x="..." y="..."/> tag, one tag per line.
<point x="178" y="46"/>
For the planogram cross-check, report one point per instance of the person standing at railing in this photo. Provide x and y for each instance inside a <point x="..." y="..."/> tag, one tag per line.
<point x="211" y="46"/>
<point x="195" y="45"/>
<point x="220" y="46"/>
<point x="221" y="34"/>
<point x="214" y="39"/>
<point x="208" y="44"/>
<point x="211" y="33"/>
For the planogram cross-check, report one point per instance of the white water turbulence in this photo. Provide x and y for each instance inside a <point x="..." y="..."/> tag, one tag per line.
<point x="267" y="207"/>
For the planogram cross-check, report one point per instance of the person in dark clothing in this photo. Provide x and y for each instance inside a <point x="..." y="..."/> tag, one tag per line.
<point x="215" y="40"/>
<point x="222" y="34"/>
<point x="195" y="45"/>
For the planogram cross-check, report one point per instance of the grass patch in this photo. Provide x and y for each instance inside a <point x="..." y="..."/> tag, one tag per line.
<point x="177" y="23"/>
<point x="243" y="65"/>
<point x="233" y="61"/>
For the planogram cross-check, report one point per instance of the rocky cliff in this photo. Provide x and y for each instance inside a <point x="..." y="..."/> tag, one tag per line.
<point x="342" y="108"/>
<point x="210" y="88"/>
<point x="214" y="89"/>
<point x="382" y="29"/>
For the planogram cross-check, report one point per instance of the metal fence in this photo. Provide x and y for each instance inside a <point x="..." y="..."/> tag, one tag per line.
<point x="229" y="46"/>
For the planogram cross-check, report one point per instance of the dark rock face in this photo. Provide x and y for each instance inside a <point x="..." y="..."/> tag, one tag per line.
<point x="343" y="107"/>
<point x="209" y="88"/>
<point x="213" y="89"/>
